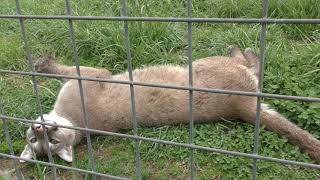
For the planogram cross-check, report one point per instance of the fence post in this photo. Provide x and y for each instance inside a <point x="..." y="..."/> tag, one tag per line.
<point x="75" y="59"/>
<point x="260" y="87"/>
<point x="124" y="13"/>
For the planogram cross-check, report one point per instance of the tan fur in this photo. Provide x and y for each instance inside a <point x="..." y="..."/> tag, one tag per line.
<point x="252" y="60"/>
<point x="48" y="65"/>
<point x="109" y="107"/>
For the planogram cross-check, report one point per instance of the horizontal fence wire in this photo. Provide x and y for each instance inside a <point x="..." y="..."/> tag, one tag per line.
<point x="164" y="19"/>
<point x="168" y="86"/>
<point x="124" y="18"/>
<point x="185" y="145"/>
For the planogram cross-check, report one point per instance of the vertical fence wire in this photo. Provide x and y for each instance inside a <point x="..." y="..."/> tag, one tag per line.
<point x="191" y="123"/>
<point x="83" y="109"/>
<point x="260" y="87"/>
<point x="35" y="87"/>
<point x="9" y="142"/>
<point x="124" y="13"/>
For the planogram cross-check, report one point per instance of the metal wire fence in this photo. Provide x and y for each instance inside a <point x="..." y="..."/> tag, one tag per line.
<point x="264" y="21"/>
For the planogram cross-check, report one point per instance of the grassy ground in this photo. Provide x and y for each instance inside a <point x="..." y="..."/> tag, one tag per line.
<point x="292" y="68"/>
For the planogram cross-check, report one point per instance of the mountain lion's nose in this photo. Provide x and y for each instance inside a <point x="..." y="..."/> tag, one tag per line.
<point x="39" y="129"/>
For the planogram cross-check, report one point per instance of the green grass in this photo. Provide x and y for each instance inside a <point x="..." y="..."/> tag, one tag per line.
<point x="291" y="68"/>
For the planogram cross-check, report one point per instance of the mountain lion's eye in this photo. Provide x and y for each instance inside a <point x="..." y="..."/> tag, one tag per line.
<point x="53" y="141"/>
<point x="33" y="140"/>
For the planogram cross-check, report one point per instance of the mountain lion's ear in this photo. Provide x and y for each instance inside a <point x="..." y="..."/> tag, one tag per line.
<point x="27" y="153"/>
<point x="66" y="153"/>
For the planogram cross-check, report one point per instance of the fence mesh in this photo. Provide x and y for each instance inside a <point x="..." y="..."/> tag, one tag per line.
<point x="264" y="21"/>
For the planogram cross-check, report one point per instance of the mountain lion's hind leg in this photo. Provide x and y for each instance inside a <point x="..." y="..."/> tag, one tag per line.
<point x="253" y="60"/>
<point x="234" y="51"/>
